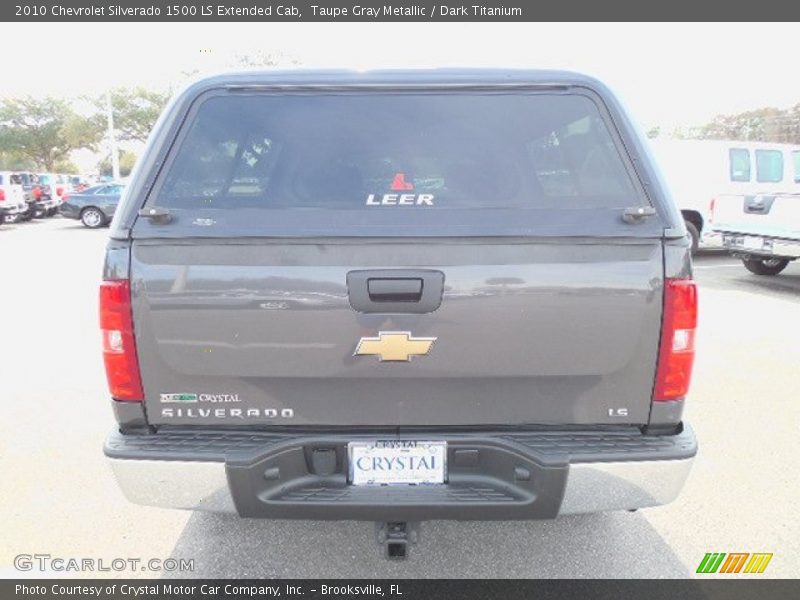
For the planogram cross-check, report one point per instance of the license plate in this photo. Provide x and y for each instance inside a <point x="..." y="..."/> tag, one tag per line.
<point x="752" y="243"/>
<point x="390" y="462"/>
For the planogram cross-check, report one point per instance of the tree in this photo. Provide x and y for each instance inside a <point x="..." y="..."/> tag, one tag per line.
<point x="45" y="130"/>
<point x="261" y="59"/>
<point x="135" y="111"/>
<point x="764" y="125"/>
<point x="65" y="166"/>
<point x="653" y="132"/>
<point x="11" y="161"/>
<point x="127" y="160"/>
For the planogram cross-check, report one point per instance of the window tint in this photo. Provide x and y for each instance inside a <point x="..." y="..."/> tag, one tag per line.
<point x="769" y="166"/>
<point x="740" y="164"/>
<point x="2" y="181"/>
<point x="433" y="151"/>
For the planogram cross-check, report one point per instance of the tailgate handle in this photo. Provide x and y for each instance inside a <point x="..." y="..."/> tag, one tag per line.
<point x="413" y="291"/>
<point x="394" y="289"/>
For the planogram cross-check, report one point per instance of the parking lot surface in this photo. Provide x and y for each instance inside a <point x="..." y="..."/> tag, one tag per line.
<point x="58" y="497"/>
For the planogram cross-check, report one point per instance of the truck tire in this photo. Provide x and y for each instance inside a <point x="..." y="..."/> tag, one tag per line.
<point x="694" y="236"/>
<point x="765" y="266"/>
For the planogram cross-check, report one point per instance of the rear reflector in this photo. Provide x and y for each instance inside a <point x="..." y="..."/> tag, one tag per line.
<point x="2" y="195"/>
<point x="119" y="346"/>
<point x="676" y="354"/>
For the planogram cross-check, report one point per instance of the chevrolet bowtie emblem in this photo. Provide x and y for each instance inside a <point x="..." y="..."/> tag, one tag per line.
<point x="394" y="346"/>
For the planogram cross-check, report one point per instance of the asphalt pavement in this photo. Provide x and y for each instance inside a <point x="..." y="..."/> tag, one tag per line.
<point x="58" y="496"/>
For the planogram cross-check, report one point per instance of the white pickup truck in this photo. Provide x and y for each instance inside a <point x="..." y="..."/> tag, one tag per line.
<point x="12" y="197"/>
<point x="762" y="230"/>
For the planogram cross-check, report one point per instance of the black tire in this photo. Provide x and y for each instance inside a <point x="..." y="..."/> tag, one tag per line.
<point x="92" y="217"/>
<point x="694" y="235"/>
<point x="765" y="266"/>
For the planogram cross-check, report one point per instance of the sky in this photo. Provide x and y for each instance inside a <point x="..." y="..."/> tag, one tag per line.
<point x="668" y="74"/>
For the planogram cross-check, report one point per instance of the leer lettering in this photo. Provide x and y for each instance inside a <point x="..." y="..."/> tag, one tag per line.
<point x="400" y="200"/>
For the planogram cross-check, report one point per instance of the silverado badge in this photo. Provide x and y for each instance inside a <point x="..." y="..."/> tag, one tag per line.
<point x="397" y="346"/>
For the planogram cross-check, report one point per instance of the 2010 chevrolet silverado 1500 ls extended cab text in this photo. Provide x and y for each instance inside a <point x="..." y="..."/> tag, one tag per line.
<point x="398" y="296"/>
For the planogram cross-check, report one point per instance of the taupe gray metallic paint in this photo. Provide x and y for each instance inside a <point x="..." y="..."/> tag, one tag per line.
<point x="549" y="329"/>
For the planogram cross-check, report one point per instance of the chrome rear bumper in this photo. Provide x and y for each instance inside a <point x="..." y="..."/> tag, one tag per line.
<point x="497" y="476"/>
<point x="591" y="487"/>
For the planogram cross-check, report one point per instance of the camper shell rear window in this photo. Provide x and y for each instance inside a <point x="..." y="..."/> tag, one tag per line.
<point x="378" y="155"/>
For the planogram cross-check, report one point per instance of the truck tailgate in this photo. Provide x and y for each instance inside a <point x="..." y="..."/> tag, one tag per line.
<point x="764" y="215"/>
<point x="557" y="332"/>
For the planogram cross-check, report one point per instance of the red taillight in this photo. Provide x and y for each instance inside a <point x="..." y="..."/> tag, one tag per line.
<point x="37" y="192"/>
<point x="711" y="206"/>
<point x="676" y="354"/>
<point x="2" y="195"/>
<point x="119" y="346"/>
<point x="59" y="191"/>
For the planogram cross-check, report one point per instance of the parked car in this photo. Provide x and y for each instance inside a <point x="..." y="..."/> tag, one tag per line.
<point x="54" y="187"/>
<point x="94" y="206"/>
<point x="505" y="307"/>
<point x="699" y="170"/>
<point x="24" y="179"/>
<point x="763" y="231"/>
<point x="12" y="197"/>
<point x="78" y="183"/>
<point x="38" y="196"/>
<point x="28" y="186"/>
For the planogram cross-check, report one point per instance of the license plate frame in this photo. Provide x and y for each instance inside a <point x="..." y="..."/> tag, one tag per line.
<point x="434" y="451"/>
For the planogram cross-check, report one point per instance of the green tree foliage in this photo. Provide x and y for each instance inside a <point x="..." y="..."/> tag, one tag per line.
<point x="10" y="161"/>
<point x="761" y="125"/>
<point x="65" y="166"/>
<point x="126" y="162"/>
<point x="45" y="130"/>
<point x="135" y="111"/>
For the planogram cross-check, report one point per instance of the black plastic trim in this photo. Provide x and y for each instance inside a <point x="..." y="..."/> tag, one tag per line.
<point x="129" y="415"/>
<point x="362" y="288"/>
<point x="547" y="447"/>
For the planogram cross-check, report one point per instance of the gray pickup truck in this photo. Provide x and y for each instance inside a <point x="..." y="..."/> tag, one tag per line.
<point x="398" y="296"/>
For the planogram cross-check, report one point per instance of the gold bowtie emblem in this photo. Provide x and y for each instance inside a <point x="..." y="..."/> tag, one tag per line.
<point x="394" y="346"/>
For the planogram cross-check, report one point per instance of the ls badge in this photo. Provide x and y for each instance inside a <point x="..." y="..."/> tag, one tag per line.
<point x="396" y="346"/>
